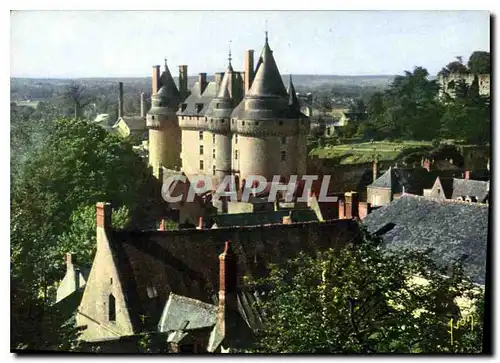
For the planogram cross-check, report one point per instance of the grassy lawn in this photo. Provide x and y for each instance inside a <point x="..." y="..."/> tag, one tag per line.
<point x="364" y="152"/>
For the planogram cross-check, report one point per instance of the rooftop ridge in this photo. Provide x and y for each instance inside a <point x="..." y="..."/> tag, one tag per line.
<point x="439" y="200"/>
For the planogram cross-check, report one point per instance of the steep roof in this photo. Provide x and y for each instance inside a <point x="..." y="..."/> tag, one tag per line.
<point x="267" y="81"/>
<point x="168" y="90"/>
<point x="453" y="229"/>
<point x="469" y="187"/>
<point x="153" y="264"/>
<point x="267" y="98"/>
<point x="198" y="97"/>
<point x="413" y="180"/>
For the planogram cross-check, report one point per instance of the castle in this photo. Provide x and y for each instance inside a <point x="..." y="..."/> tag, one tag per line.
<point x="245" y="123"/>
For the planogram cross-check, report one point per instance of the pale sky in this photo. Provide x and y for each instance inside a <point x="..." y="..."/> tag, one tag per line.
<point x="71" y="44"/>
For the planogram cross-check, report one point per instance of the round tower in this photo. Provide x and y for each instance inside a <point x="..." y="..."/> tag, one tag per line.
<point x="161" y="120"/>
<point x="269" y="131"/>
<point x="229" y="94"/>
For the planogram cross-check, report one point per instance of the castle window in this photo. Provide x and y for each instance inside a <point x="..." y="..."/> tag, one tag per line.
<point x="201" y="164"/>
<point x="111" y="308"/>
<point x="213" y="170"/>
<point x="213" y="153"/>
<point x="201" y="135"/>
<point x="283" y="140"/>
<point x="201" y="149"/>
<point x="235" y="154"/>
<point x="213" y="138"/>
<point x="283" y="155"/>
<point x="236" y="138"/>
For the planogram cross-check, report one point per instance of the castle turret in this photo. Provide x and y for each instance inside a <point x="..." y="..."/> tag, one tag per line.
<point x="269" y="129"/>
<point x="204" y="120"/>
<point x="164" y="132"/>
<point x="230" y="93"/>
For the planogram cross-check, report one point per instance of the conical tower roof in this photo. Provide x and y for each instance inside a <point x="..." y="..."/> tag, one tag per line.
<point x="267" y="98"/>
<point x="293" y="101"/>
<point x="168" y="90"/>
<point x="267" y="80"/>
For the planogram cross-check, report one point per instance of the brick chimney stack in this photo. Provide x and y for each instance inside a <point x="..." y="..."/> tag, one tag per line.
<point x="183" y="81"/>
<point x="248" y="69"/>
<point x="352" y="205"/>
<point x="202" y="80"/>
<point x="227" y="287"/>
<point x="156" y="80"/>
<point x="103" y="215"/>
<point x="120" y="99"/>
<point x="143" y="106"/>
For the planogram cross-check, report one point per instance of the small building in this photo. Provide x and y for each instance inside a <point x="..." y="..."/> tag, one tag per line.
<point x="131" y="126"/>
<point x="468" y="190"/>
<point x="397" y="181"/>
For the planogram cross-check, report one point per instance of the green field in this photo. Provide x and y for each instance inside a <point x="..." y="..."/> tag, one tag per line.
<point x="364" y="152"/>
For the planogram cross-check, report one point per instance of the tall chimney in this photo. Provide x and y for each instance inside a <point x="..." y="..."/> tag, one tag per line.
<point x="218" y="80"/>
<point x="183" y="81"/>
<point x="248" y="69"/>
<point x="352" y="205"/>
<point x="143" y="106"/>
<point x="227" y="288"/>
<point x="103" y="215"/>
<point x="120" y="99"/>
<point x="202" y="80"/>
<point x="375" y="169"/>
<point x="156" y="80"/>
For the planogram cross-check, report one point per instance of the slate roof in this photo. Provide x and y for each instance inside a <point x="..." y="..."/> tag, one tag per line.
<point x="259" y="218"/>
<point x="134" y="123"/>
<point x="414" y="180"/>
<point x="469" y="187"/>
<point x="198" y="96"/>
<point x="267" y="98"/>
<point x="453" y="229"/>
<point x="222" y="105"/>
<point x="186" y="263"/>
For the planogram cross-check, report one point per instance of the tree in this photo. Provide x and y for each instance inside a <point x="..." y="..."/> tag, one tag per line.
<point x="479" y="63"/>
<point x="53" y="193"/>
<point x="454" y="67"/>
<point x="362" y="300"/>
<point x="79" y="97"/>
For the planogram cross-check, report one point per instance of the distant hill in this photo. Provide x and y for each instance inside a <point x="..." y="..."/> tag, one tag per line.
<point x="45" y="88"/>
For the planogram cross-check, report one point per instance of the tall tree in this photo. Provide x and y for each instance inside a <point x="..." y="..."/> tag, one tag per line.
<point x="479" y="63"/>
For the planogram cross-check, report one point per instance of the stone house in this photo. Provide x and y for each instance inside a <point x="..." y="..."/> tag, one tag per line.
<point x="135" y="272"/>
